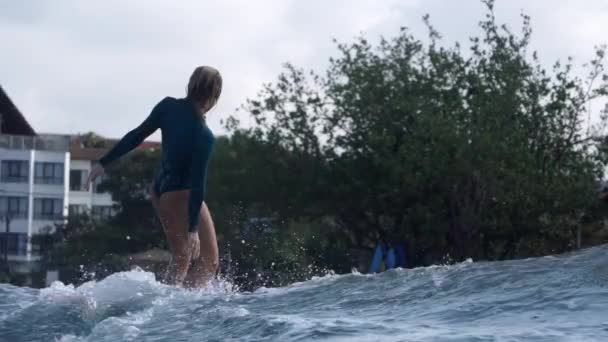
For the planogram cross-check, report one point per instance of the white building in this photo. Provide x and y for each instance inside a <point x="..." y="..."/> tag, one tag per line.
<point x="42" y="181"/>
<point x="80" y="200"/>
<point x="82" y="160"/>
<point x="34" y="173"/>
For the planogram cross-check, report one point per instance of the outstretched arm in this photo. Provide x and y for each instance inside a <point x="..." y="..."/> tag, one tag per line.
<point x="135" y="137"/>
<point x="130" y="141"/>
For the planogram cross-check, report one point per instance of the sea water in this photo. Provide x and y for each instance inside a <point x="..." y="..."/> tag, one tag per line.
<point x="556" y="298"/>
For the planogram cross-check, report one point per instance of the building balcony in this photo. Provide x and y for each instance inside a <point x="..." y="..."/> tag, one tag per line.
<point x="44" y="142"/>
<point x="23" y="258"/>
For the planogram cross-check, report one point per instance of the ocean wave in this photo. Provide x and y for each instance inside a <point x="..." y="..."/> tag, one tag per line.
<point x="560" y="298"/>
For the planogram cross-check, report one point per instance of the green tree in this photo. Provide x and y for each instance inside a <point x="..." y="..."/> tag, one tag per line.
<point x="481" y="154"/>
<point x="92" y="140"/>
<point x="93" y="247"/>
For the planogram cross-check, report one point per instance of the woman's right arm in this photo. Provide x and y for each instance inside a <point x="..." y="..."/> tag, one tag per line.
<point x="130" y="141"/>
<point x="135" y="137"/>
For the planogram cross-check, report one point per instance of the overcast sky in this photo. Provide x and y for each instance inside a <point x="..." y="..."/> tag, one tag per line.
<point x="74" y="66"/>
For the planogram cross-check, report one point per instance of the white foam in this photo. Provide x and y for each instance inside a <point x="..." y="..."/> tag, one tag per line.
<point x="132" y="289"/>
<point x="128" y="327"/>
<point x="69" y="338"/>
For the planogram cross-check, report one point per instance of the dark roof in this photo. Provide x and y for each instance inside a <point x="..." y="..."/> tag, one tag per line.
<point x="146" y="145"/>
<point x="77" y="152"/>
<point x="92" y="154"/>
<point x="13" y="122"/>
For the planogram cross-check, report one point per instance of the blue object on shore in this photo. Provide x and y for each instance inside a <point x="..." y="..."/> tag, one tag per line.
<point x="389" y="256"/>
<point x="376" y="260"/>
<point x="390" y="262"/>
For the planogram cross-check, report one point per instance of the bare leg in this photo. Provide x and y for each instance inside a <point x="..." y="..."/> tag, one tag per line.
<point x="156" y="205"/>
<point x="204" y="267"/>
<point x="172" y="209"/>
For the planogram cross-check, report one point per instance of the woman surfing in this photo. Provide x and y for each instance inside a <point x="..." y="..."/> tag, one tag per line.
<point x="178" y="190"/>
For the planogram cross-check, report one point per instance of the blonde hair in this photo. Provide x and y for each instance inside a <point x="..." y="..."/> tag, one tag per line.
<point x="205" y="87"/>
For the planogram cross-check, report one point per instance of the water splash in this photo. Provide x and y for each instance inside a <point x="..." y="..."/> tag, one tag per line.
<point x="561" y="298"/>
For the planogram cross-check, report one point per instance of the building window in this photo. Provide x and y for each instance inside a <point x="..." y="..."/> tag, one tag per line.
<point x="78" y="179"/>
<point x="13" y="206"/>
<point x="77" y="209"/>
<point x="15" y="171"/>
<point x="97" y="182"/>
<point x="48" y="173"/>
<point x="48" y="208"/>
<point x="15" y="243"/>
<point x="102" y="211"/>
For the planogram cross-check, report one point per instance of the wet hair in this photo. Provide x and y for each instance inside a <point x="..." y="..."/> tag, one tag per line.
<point x="205" y="87"/>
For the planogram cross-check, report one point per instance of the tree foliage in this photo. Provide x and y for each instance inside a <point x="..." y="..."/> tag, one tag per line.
<point x="89" y="247"/>
<point x="93" y="140"/>
<point x="482" y="153"/>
